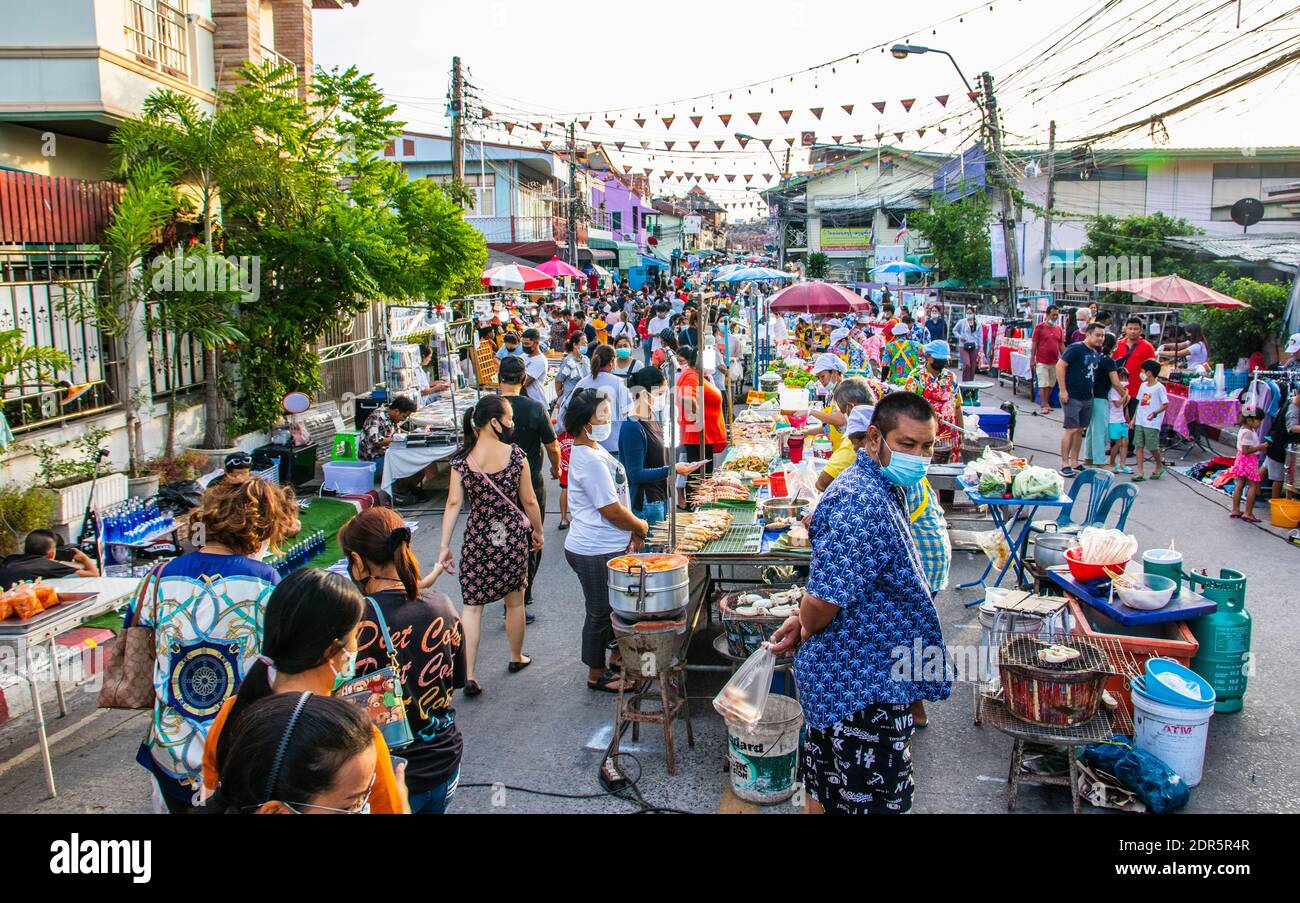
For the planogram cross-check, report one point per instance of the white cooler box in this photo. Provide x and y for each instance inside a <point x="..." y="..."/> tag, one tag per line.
<point x="349" y="477"/>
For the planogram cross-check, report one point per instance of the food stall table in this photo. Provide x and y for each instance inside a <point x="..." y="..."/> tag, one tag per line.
<point x="1185" y="417"/>
<point x="970" y="391"/>
<point x="406" y="460"/>
<point x="1182" y="607"/>
<point x="93" y="596"/>
<point x="997" y="506"/>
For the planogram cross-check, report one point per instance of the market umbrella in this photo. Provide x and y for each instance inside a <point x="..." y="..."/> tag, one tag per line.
<point x="516" y="276"/>
<point x="900" y="266"/>
<point x="557" y="267"/>
<point x="817" y="298"/>
<point x="753" y="274"/>
<point x="1173" y="290"/>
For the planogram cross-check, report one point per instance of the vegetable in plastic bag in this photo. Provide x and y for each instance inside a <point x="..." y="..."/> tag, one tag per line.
<point x="1038" y="483"/>
<point x="745" y="695"/>
<point x="1154" y="782"/>
<point x="995" y="547"/>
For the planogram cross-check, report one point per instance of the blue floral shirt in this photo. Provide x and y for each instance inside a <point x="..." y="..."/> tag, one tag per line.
<point x="884" y="645"/>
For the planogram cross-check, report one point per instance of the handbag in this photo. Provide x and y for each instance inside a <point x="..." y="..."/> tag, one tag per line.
<point x="526" y="523"/>
<point x="379" y="693"/>
<point x="129" y="663"/>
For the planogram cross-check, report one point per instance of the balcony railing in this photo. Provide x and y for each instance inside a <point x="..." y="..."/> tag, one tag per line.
<point x="508" y="229"/>
<point x="159" y="32"/>
<point x="276" y="60"/>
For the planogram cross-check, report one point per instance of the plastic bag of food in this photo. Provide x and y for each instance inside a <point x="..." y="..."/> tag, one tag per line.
<point x="25" y="602"/>
<point x="745" y="695"/>
<point x="1038" y="483"/>
<point x="6" y="607"/>
<point x="47" y="595"/>
<point x="995" y="547"/>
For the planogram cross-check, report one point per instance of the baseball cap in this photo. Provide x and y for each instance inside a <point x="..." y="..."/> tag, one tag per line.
<point x="1293" y="344"/>
<point x="240" y="460"/>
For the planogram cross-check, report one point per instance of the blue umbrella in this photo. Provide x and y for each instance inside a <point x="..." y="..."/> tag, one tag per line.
<point x="754" y="274"/>
<point x="900" y="266"/>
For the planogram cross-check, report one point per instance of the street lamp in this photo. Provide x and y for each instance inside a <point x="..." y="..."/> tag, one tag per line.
<point x="903" y="51"/>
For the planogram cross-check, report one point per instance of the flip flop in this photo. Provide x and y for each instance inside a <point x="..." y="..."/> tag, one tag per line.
<point x="472" y="688"/>
<point x="516" y="667"/>
<point x="1140" y="479"/>
<point x="602" y="683"/>
<point x="564" y="525"/>
<point x="1234" y="515"/>
<point x="1250" y="518"/>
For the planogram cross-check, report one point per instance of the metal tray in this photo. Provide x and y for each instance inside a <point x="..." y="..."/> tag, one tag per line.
<point x="14" y="626"/>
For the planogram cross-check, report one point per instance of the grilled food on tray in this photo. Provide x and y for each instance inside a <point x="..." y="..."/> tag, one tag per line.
<point x="695" y="531"/>
<point x="747" y="462"/>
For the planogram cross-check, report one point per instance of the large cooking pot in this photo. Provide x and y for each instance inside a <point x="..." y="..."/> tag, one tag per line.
<point x="784" y="506"/>
<point x="637" y="593"/>
<point x="1050" y="548"/>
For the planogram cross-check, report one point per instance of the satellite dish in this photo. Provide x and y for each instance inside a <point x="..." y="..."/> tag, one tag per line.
<point x="1247" y="211"/>
<point x="295" y="403"/>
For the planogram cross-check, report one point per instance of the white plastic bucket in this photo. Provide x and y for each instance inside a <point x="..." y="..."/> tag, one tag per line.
<point x="1173" y="734"/>
<point x="764" y="757"/>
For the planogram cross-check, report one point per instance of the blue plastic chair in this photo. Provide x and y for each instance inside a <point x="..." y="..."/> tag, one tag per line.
<point x="1090" y="483"/>
<point x="1125" y="494"/>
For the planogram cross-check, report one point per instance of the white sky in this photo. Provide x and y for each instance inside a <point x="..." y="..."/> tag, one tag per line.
<point x="532" y="61"/>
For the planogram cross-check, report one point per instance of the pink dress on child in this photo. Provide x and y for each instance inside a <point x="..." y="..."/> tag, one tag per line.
<point x="1246" y="465"/>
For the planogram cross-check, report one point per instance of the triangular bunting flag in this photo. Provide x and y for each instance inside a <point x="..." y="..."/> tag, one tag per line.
<point x="942" y="98"/>
<point x="640" y="123"/>
<point x="668" y="173"/>
<point x="767" y="142"/>
<point x="648" y="170"/>
<point x="857" y="139"/>
<point x="880" y="136"/>
<point x="693" y="144"/>
<point x="847" y="108"/>
<point x="718" y="144"/>
<point x="742" y="141"/>
<point x="668" y="145"/>
<point x="510" y="128"/>
<point x="943" y="131"/>
<point x="748" y="177"/>
<point x="731" y="177"/>
<point x="610" y="122"/>
<point x="786" y="114"/>
<point x="584" y="123"/>
<point x="816" y="111"/>
<point x="789" y="142"/>
<point x="907" y="104"/>
<point x="974" y="97"/>
<point x="696" y="120"/>
<point x="667" y="121"/>
<point x="920" y="133"/>
<point x="645" y="144"/>
<point x="754" y="117"/>
<point x="538" y="126"/>
<point x="546" y="143"/>
<point x="627" y="169"/>
<point x="725" y="117"/>
<point x="596" y="145"/>
<point x="618" y="144"/>
<point x="836" y="138"/>
<point x="690" y="175"/>
<point x="899" y="135"/>
<point x="679" y="178"/>
<point x="487" y="114"/>
<point x="879" y="105"/>
<point x="767" y="177"/>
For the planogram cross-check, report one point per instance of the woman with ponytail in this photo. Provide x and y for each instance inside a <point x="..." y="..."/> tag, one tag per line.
<point x="309" y="645"/>
<point x="426" y="639"/>
<point x="610" y="388"/>
<point x="504" y="524"/>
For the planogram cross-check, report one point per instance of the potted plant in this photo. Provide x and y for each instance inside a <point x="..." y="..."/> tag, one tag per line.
<point x="65" y="478"/>
<point x="188" y="465"/>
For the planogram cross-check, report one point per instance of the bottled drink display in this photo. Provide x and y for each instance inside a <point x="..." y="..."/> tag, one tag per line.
<point x="305" y="548"/>
<point x="134" y="521"/>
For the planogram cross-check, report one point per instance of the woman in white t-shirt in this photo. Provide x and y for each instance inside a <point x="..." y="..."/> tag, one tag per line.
<point x="1193" y="347"/>
<point x="601" y="527"/>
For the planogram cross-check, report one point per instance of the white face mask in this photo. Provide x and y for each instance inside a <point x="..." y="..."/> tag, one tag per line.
<point x="599" y="432"/>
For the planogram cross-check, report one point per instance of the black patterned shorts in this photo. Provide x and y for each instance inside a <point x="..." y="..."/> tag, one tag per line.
<point x="863" y="764"/>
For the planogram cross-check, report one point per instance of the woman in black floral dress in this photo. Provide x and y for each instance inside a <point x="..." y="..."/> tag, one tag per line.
<point x="504" y="524"/>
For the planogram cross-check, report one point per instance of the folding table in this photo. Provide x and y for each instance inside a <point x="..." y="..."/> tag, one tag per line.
<point x="998" y="508"/>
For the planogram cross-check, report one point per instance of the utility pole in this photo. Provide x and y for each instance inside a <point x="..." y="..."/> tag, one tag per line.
<point x="1051" y="196"/>
<point x="572" y="234"/>
<point x="1004" y="184"/>
<point x="457" y="121"/>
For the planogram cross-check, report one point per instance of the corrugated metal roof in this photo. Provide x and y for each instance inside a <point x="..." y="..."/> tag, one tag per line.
<point x="1278" y="249"/>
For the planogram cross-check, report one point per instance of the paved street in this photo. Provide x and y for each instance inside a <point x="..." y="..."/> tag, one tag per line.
<point x="543" y="730"/>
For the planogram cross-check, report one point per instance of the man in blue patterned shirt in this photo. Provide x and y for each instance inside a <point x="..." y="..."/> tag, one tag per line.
<point x="868" y="637"/>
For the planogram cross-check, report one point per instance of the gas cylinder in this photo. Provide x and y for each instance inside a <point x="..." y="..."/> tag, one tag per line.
<point x="1224" y="636"/>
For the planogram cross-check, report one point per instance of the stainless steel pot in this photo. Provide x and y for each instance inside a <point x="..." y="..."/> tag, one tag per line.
<point x="784" y="506"/>
<point x="638" y="594"/>
<point x="1050" y="548"/>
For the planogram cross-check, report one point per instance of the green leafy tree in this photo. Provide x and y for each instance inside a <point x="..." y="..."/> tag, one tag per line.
<point x="1144" y="237"/>
<point x="1240" y="332"/>
<point x="818" y="265"/>
<point x="958" y="235"/>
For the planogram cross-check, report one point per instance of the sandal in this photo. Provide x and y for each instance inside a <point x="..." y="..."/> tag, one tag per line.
<point x="1250" y="518"/>
<point x="472" y="688"/>
<point x="564" y="525"/>
<point x="603" y="683"/>
<point x="516" y="667"/>
<point x="1235" y="514"/>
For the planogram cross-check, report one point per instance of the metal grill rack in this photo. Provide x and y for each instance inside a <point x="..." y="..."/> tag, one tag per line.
<point x="740" y="516"/>
<point x="739" y="540"/>
<point x="1101" y="654"/>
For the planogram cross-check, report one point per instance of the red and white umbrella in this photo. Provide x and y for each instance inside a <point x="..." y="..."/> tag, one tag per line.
<point x="1173" y="290"/>
<point x="557" y="267"/>
<point x="518" y="277"/>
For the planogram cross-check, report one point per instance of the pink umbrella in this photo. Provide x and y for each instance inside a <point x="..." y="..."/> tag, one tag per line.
<point x="1173" y="290"/>
<point x="515" y="276"/>
<point x="557" y="267"/>
<point x="817" y="298"/>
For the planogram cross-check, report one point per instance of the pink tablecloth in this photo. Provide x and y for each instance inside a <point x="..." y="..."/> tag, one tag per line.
<point x="1182" y="412"/>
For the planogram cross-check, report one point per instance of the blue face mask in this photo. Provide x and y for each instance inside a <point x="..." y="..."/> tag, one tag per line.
<point x="904" y="469"/>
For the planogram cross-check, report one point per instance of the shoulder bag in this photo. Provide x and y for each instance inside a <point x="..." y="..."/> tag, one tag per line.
<point x="129" y="663"/>
<point x="379" y="693"/>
